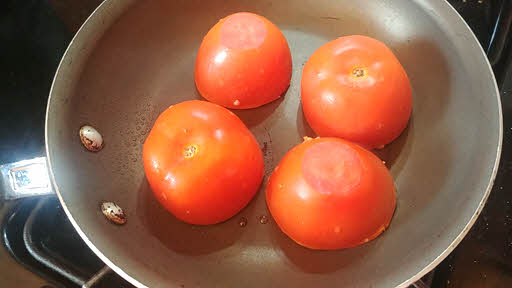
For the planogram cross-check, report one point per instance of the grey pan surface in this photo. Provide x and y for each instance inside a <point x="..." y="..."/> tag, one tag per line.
<point x="131" y="60"/>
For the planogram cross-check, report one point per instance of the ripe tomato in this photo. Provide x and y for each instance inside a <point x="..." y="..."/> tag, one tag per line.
<point x="355" y="88"/>
<point x="202" y="163"/>
<point x="329" y="193"/>
<point x="243" y="62"/>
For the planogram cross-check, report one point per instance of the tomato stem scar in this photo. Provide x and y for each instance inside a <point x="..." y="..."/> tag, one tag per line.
<point x="190" y="151"/>
<point x="359" y="72"/>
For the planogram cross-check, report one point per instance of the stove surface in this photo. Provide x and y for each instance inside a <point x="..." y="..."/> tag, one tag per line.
<point x="35" y="34"/>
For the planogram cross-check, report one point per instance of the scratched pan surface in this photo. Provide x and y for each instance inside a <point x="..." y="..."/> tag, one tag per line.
<point x="131" y="60"/>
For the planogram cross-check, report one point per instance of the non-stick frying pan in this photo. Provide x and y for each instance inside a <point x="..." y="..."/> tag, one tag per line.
<point x="133" y="59"/>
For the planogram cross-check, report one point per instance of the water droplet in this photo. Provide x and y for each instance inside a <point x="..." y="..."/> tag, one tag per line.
<point x="242" y="222"/>
<point x="263" y="219"/>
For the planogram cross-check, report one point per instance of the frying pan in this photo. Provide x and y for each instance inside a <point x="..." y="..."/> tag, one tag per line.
<point x="133" y="59"/>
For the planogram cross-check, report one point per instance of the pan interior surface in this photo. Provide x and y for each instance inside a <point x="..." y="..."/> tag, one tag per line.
<point x="120" y="73"/>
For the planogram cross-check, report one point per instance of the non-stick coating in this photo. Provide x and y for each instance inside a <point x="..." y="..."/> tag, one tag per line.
<point x="118" y="75"/>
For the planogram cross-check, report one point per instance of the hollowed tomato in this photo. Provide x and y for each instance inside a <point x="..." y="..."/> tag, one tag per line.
<point x="355" y="88"/>
<point x="202" y="163"/>
<point x="329" y="193"/>
<point x="243" y="62"/>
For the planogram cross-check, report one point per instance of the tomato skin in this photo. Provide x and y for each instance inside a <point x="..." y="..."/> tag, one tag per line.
<point x="372" y="108"/>
<point x="335" y="207"/>
<point x="243" y="74"/>
<point x="218" y="180"/>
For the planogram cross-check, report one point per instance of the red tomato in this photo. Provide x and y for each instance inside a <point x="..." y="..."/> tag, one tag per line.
<point x="243" y="62"/>
<point x="202" y="163"/>
<point x="355" y="88"/>
<point x="328" y="193"/>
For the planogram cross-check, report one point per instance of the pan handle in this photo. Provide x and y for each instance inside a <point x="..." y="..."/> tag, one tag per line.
<point x="25" y="178"/>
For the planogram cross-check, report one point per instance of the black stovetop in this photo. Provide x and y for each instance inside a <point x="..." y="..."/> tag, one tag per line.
<point x="35" y="33"/>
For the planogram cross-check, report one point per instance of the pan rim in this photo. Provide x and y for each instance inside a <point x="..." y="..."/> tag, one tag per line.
<point x="405" y="283"/>
<point x="489" y="187"/>
<point x="75" y="225"/>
